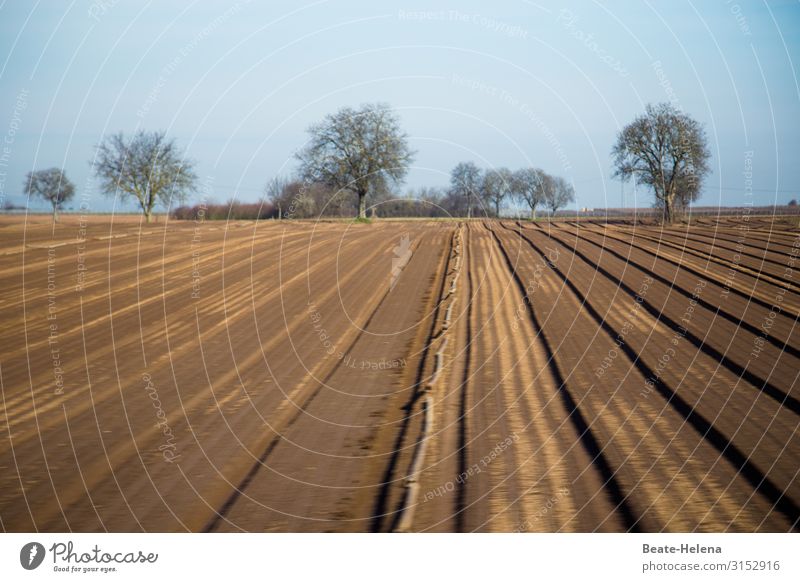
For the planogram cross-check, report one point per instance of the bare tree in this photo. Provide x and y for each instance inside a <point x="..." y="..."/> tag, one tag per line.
<point x="275" y="191"/>
<point x="357" y="150"/>
<point x="529" y="185"/>
<point x="496" y="186"/>
<point x="558" y="193"/>
<point x="665" y="149"/>
<point x="465" y="186"/>
<point x="51" y="185"/>
<point x="148" y="167"/>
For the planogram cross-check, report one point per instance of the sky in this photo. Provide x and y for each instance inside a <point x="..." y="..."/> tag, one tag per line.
<point x="505" y="83"/>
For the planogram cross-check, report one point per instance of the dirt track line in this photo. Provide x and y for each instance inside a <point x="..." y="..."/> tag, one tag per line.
<point x="236" y="467"/>
<point x="244" y="482"/>
<point x="44" y="244"/>
<point x="758" y="274"/>
<point x="722" y="394"/>
<point x="741" y="462"/>
<point x="775" y="237"/>
<point x="690" y="238"/>
<point x="125" y="449"/>
<point x="716" y="309"/>
<point x="463" y="404"/>
<point x="244" y="286"/>
<point x="661" y="470"/>
<point x="552" y="456"/>
<point x="610" y="483"/>
<point x="137" y="284"/>
<point x="14" y="457"/>
<point x="781" y="397"/>
<point x="156" y="265"/>
<point x="773" y="279"/>
<point x="382" y="499"/>
<point x="750" y="295"/>
<point x="405" y="517"/>
<point x="515" y="416"/>
<point x="695" y="234"/>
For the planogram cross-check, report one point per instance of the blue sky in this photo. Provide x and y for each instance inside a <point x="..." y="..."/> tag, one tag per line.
<point x="511" y="83"/>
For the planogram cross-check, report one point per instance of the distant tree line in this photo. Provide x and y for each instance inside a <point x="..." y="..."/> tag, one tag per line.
<point x="484" y="192"/>
<point x="472" y="192"/>
<point x="356" y="157"/>
<point x="354" y="160"/>
<point x="231" y="210"/>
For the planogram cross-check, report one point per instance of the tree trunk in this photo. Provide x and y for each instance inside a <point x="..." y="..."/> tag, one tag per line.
<point x="362" y="204"/>
<point x="497" y="208"/>
<point x="55" y="213"/>
<point x="533" y="213"/>
<point x="668" y="210"/>
<point x="668" y="198"/>
<point x="150" y="202"/>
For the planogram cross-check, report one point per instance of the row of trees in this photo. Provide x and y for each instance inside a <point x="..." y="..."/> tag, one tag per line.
<point x="354" y="153"/>
<point x="231" y="210"/>
<point x="472" y="192"/>
<point x="530" y="187"/>
<point x="365" y="150"/>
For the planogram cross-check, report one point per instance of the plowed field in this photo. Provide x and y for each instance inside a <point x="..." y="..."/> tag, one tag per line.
<point x="399" y="376"/>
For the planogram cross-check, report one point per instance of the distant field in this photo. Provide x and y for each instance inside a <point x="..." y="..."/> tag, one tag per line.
<point x="401" y="375"/>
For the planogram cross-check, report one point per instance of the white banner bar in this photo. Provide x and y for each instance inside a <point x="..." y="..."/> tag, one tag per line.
<point x="390" y="557"/>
